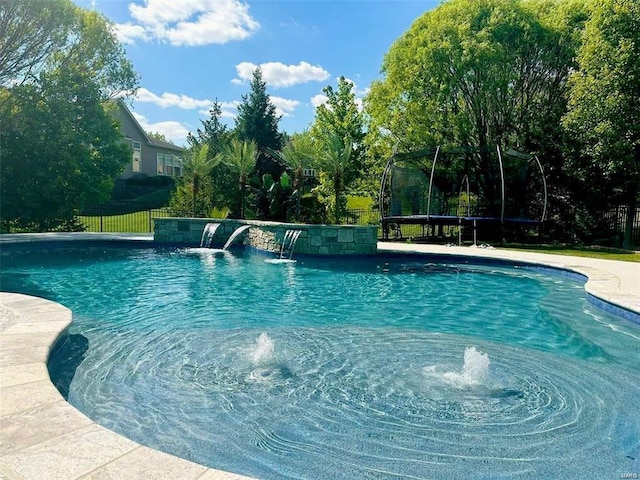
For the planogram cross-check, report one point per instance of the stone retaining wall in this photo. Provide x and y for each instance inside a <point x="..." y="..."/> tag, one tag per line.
<point x="268" y="236"/>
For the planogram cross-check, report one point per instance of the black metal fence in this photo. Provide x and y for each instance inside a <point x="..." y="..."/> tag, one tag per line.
<point x="616" y="220"/>
<point x="138" y="218"/>
<point x="124" y="217"/>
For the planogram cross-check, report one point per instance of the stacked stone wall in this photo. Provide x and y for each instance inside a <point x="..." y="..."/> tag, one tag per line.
<point x="268" y="236"/>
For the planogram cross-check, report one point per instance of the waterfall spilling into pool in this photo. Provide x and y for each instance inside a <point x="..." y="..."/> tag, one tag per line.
<point x="207" y="234"/>
<point x="289" y="243"/>
<point x="379" y="367"/>
<point x="236" y="233"/>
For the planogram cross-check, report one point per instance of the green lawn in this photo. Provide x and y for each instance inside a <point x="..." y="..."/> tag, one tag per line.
<point x="590" y="252"/>
<point x="136" y="222"/>
<point x="364" y="203"/>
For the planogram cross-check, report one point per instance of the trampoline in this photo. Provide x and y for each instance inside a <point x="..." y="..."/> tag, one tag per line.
<point x="462" y="188"/>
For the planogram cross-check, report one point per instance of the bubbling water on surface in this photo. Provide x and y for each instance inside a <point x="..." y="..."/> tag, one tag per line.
<point x="264" y="350"/>
<point x="475" y="370"/>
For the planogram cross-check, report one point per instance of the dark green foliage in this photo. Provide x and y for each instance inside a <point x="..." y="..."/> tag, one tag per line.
<point x="61" y="151"/>
<point x="604" y="108"/>
<point x="273" y="200"/>
<point x="151" y="181"/>
<point x="312" y="210"/>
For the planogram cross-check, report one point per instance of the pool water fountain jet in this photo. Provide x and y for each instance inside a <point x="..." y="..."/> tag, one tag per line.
<point x="266" y="368"/>
<point x="475" y="370"/>
<point x="236" y="233"/>
<point x="474" y="373"/>
<point x="264" y="349"/>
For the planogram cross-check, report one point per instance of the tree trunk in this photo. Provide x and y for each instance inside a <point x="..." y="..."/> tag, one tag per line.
<point x="242" y="182"/>
<point x="337" y="186"/>
<point x="195" y="195"/>
<point x="298" y="186"/>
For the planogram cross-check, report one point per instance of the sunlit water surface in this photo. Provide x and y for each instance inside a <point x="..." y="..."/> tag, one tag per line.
<point x="393" y="367"/>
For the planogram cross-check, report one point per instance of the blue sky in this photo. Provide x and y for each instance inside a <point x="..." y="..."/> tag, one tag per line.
<point x="190" y="52"/>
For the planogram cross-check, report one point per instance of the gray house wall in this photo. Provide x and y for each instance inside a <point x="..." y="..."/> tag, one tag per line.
<point x="149" y="147"/>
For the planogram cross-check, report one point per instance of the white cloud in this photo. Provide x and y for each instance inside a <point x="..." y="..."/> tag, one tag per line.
<point x="171" y="100"/>
<point x="129" y="33"/>
<point x="277" y="74"/>
<point x="172" y="130"/>
<point x="319" y="99"/>
<point x="284" y="106"/>
<point x="188" y="22"/>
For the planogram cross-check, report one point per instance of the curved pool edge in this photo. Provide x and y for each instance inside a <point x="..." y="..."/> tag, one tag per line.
<point x="44" y="437"/>
<point x="611" y="284"/>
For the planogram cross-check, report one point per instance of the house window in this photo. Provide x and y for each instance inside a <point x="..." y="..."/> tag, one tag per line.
<point x="136" y="161"/>
<point x="169" y="164"/>
<point x="137" y="156"/>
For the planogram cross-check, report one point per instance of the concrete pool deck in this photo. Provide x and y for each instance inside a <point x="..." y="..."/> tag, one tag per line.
<point x="44" y="437"/>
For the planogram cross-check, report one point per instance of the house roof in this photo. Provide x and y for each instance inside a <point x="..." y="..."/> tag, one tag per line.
<point x="149" y="140"/>
<point x="163" y="144"/>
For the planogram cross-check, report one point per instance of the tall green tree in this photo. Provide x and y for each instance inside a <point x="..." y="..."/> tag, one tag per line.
<point x="93" y="48"/>
<point x="474" y="74"/>
<point x="241" y="156"/>
<point x="61" y="150"/>
<point x="30" y="32"/>
<point x="604" y="106"/>
<point x="257" y="121"/>
<point x="334" y="163"/>
<point x="215" y="134"/>
<point x="340" y="117"/>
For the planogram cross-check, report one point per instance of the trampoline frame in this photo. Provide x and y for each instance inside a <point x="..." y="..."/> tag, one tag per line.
<point x="460" y="221"/>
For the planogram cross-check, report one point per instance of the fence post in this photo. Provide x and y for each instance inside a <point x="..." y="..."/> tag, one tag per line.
<point x="101" y="212"/>
<point x="150" y="225"/>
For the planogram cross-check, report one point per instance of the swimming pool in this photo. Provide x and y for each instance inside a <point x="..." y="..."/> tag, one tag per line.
<point x="339" y="369"/>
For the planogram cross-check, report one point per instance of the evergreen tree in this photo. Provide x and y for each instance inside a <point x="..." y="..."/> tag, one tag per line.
<point x="216" y="190"/>
<point x="257" y="122"/>
<point x="213" y="132"/>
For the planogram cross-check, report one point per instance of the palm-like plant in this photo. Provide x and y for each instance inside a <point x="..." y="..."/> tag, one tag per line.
<point x="298" y="153"/>
<point x="241" y="156"/>
<point x="198" y="165"/>
<point x="334" y="162"/>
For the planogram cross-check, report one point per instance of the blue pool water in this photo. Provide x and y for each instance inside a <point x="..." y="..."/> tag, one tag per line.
<point x="387" y="367"/>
